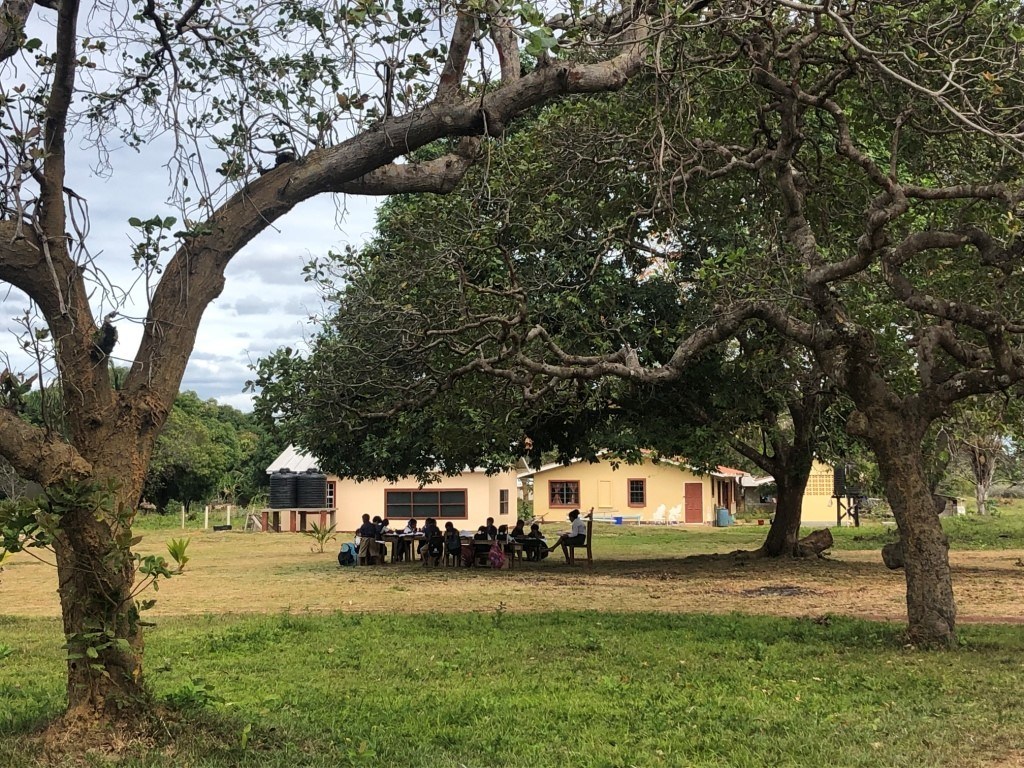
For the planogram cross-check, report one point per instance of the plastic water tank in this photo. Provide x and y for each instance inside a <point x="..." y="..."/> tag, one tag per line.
<point x="722" y="517"/>
<point x="282" y="489"/>
<point x="311" y="490"/>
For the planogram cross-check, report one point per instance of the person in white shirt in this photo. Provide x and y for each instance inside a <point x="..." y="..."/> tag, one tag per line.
<point x="576" y="536"/>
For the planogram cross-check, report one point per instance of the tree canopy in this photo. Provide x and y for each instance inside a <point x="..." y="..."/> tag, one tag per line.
<point x="847" y="178"/>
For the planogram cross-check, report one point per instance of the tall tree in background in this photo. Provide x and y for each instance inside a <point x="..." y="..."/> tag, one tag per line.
<point x="261" y="107"/>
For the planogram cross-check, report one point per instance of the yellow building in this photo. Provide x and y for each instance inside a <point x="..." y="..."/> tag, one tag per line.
<point x="819" y="505"/>
<point x="467" y="499"/>
<point x="666" y="491"/>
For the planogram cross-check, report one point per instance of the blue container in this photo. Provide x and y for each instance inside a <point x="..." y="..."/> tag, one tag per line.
<point x="722" y="517"/>
<point x="617" y="520"/>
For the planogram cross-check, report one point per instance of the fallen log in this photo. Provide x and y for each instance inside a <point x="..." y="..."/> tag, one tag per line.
<point x="814" y="543"/>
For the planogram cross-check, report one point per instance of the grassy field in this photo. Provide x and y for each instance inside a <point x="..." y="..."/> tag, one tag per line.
<point x="582" y="689"/>
<point x="272" y="656"/>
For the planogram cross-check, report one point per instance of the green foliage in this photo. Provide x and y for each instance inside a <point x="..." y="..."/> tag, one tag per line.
<point x="321" y="535"/>
<point x="206" y="450"/>
<point x="176" y="548"/>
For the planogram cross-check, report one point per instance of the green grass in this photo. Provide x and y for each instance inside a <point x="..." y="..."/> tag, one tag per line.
<point x="581" y="689"/>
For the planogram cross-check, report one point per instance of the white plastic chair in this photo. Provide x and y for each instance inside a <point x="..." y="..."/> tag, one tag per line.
<point x="675" y="514"/>
<point x="658" y="518"/>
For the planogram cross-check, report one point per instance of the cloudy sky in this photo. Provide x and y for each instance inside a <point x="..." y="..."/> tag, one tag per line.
<point x="265" y="303"/>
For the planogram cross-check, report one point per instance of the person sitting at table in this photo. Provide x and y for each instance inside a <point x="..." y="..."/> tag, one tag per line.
<point x="481" y="545"/>
<point x="403" y="549"/>
<point x="429" y="531"/>
<point x="382" y="549"/>
<point x="519" y="531"/>
<point x="576" y="536"/>
<point x="435" y="546"/>
<point x="506" y="540"/>
<point x="534" y="544"/>
<point x="492" y="532"/>
<point x="452" y="541"/>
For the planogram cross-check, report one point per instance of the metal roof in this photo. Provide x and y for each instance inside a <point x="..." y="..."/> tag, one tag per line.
<point x="294" y="459"/>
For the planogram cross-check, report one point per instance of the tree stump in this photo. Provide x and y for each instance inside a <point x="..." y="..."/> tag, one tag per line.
<point x="814" y="543"/>
<point x="892" y="555"/>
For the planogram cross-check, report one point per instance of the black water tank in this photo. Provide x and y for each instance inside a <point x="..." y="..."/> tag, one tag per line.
<point x="839" y="481"/>
<point x="311" y="490"/>
<point x="282" y="489"/>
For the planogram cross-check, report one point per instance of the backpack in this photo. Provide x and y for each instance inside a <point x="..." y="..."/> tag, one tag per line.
<point x="347" y="555"/>
<point x="496" y="557"/>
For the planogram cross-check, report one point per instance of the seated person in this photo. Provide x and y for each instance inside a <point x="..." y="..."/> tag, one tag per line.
<point x="429" y="531"/>
<point x="452" y="540"/>
<point x="519" y="531"/>
<point x="576" y="536"/>
<point x="403" y="549"/>
<point x="506" y="540"/>
<point x="379" y="525"/>
<point x="492" y="532"/>
<point x="534" y="544"/>
<point x="481" y="545"/>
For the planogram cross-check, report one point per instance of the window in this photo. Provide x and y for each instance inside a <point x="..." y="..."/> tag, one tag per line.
<point x="421" y="504"/>
<point x="331" y="491"/>
<point x="503" y="501"/>
<point x="638" y="493"/>
<point x="564" y="493"/>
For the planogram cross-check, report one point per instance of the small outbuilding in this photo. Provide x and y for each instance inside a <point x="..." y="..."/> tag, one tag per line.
<point x="466" y="499"/>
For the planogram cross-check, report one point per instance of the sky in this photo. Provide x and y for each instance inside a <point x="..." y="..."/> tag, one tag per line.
<point x="265" y="303"/>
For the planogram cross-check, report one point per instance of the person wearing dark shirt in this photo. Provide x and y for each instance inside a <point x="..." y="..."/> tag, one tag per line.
<point x="519" y="531"/>
<point x="452" y="541"/>
<point x="492" y="532"/>
<point x="481" y="546"/>
<point x="534" y="544"/>
<point x="367" y="530"/>
<point x="429" y="529"/>
<point x="367" y="533"/>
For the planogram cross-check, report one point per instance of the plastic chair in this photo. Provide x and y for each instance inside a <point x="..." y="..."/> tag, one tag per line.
<point x="675" y="514"/>
<point x="658" y="518"/>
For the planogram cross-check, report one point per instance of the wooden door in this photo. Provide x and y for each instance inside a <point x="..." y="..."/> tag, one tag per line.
<point x="693" y="506"/>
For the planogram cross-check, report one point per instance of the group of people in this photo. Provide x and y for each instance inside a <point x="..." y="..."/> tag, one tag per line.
<point x="490" y="543"/>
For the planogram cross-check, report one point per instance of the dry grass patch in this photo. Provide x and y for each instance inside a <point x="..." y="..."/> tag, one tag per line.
<point x="234" y="572"/>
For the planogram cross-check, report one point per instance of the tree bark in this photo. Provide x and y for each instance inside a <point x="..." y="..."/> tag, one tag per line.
<point x="931" y="610"/>
<point x="983" y="467"/>
<point x="101" y="620"/>
<point x="790" y="482"/>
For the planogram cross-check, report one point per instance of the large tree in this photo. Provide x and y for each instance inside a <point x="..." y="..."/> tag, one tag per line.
<point x="260" y="107"/>
<point x="865" y="164"/>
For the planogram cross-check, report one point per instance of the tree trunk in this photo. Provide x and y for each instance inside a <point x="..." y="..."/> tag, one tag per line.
<point x="983" y="467"/>
<point x="931" y="610"/>
<point x="97" y="570"/>
<point x="790" y="482"/>
<point x="101" y="620"/>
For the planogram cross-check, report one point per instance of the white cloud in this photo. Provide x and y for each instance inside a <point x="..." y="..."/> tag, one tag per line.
<point x="265" y="304"/>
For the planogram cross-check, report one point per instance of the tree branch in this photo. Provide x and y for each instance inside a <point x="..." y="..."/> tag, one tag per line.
<point x="35" y="455"/>
<point x="195" y="274"/>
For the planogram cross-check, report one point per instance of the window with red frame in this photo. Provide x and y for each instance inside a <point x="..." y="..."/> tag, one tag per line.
<point x="564" y="493"/>
<point x="638" y="493"/>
